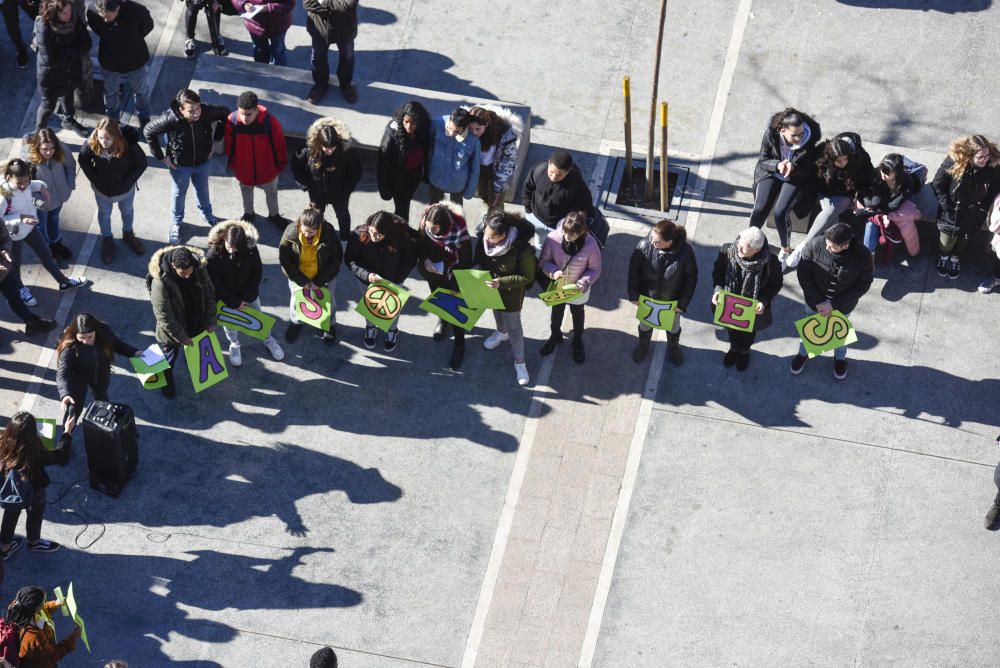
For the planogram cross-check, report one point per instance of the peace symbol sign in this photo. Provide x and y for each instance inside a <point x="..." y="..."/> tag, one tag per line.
<point x="382" y="302"/>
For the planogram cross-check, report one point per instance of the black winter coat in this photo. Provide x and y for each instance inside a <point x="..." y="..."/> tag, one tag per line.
<point x="236" y="278"/>
<point x="326" y="186"/>
<point x="188" y="144"/>
<point x="332" y="20"/>
<point x="803" y="160"/>
<point x="852" y="269"/>
<point x="770" y="284"/>
<point x="550" y="202"/>
<point x="859" y="169"/>
<point x="965" y="202"/>
<point x="666" y="275"/>
<point x="365" y="257"/>
<point x="329" y="255"/>
<point x="81" y="365"/>
<point x="516" y="268"/>
<point x="114" y="176"/>
<point x="122" y="43"/>
<point x="392" y="160"/>
<point x="59" y="56"/>
<point x="882" y="200"/>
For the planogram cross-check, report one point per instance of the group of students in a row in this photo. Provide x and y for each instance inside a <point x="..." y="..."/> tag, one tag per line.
<point x="800" y="172"/>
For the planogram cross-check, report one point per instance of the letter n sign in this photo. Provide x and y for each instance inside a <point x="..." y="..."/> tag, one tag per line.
<point x="736" y="311"/>
<point x="204" y="361"/>
<point x="452" y="308"/>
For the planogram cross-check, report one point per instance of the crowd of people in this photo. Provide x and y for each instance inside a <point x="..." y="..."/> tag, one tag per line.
<point x="470" y="153"/>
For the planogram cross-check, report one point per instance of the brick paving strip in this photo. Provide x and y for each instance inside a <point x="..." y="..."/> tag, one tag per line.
<point x="539" y="587"/>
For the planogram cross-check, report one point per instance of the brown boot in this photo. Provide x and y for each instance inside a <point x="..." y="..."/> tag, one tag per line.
<point x="107" y="250"/>
<point x="133" y="243"/>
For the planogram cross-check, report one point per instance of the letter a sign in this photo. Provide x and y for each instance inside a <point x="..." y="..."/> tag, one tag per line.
<point x="204" y="361"/>
<point x="736" y="311"/>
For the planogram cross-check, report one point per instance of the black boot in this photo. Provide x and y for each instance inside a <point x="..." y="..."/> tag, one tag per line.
<point x="991" y="516"/>
<point x="549" y="346"/>
<point x="641" y="350"/>
<point x="169" y="390"/>
<point x="35" y="325"/>
<point x="730" y="357"/>
<point x="578" y="353"/>
<point x="457" y="355"/>
<point x="441" y="330"/>
<point x="674" y="348"/>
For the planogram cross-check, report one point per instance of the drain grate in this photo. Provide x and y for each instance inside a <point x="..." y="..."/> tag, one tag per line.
<point x="621" y="201"/>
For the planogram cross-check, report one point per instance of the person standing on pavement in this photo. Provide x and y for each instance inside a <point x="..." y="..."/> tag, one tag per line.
<point x="213" y="10"/>
<point x="994" y="227"/>
<point x="329" y="169"/>
<point x="785" y="176"/>
<point x="267" y="26"/>
<point x="121" y="27"/>
<point x="255" y="144"/>
<point x="62" y="41"/>
<point x="499" y="131"/>
<point x="454" y="159"/>
<point x="381" y="249"/>
<point x="965" y="184"/>
<point x="570" y="256"/>
<point x="235" y="268"/>
<point x="191" y="130"/>
<point x="663" y="267"/>
<point x="443" y="245"/>
<point x="20" y="197"/>
<point x="21" y="451"/>
<point x="183" y="300"/>
<point x="993" y="514"/>
<point x="551" y="190"/>
<point x="505" y="251"/>
<point x="403" y="156"/>
<point x="10" y="288"/>
<point x="31" y="615"/>
<point x="332" y="22"/>
<point x="12" y="22"/>
<point x="834" y="273"/>
<point x="54" y="165"/>
<point x="113" y="162"/>
<point x="85" y="352"/>
<point x="748" y="268"/>
<point x="310" y="257"/>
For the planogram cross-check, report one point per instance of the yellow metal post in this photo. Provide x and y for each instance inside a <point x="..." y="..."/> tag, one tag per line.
<point x="664" y="195"/>
<point x="627" y="90"/>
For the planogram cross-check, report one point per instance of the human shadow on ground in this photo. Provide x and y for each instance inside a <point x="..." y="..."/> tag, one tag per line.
<point x="943" y="6"/>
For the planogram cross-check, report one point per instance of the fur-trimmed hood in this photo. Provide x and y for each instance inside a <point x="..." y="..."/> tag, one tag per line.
<point x="338" y="126"/>
<point x="510" y="118"/>
<point x="156" y="260"/>
<point x="217" y="235"/>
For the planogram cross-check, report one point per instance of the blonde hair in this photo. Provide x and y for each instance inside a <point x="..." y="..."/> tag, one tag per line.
<point x="118" y="145"/>
<point x="962" y="151"/>
<point x="44" y="136"/>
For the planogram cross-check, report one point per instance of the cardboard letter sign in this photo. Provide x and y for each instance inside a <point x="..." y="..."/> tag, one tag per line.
<point x="450" y="307"/>
<point x="736" y="311"/>
<point x="382" y="303"/>
<point x="820" y="334"/>
<point x="655" y="313"/>
<point x="204" y="361"/>
<point x="313" y="307"/>
<point x="247" y="320"/>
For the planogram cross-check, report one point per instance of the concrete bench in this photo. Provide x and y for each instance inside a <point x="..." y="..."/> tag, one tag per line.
<point x="282" y="90"/>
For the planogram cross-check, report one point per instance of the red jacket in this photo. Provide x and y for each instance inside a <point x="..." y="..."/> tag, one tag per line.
<point x="257" y="158"/>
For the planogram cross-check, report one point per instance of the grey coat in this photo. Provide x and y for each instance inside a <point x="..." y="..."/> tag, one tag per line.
<point x="59" y="177"/>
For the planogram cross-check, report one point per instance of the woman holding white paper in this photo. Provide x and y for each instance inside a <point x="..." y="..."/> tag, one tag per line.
<point x="86" y="349"/>
<point x="571" y="256"/>
<point x="748" y="268"/>
<point x="381" y="249"/>
<point x="443" y="245"/>
<point x="235" y="268"/>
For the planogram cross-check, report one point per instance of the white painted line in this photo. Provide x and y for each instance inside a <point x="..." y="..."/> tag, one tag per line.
<point x="93" y="230"/>
<point x="653" y="379"/>
<point x="525" y="446"/>
<point x="704" y="170"/>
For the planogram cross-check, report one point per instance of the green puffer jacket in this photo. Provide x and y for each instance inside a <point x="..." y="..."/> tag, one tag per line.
<point x="515" y="268"/>
<point x="168" y="302"/>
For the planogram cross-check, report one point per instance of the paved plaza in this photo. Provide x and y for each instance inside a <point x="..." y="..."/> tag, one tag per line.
<point x="609" y="514"/>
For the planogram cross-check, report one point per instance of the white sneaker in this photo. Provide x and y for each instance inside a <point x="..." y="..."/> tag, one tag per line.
<point x="174" y="237"/>
<point x="235" y="355"/>
<point x="29" y="299"/>
<point x="988" y="285"/>
<point x="494" y="340"/>
<point x="521" y="369"/>
<point x="276" y="351"/>
<point x="792" y="260"/>
<point x="783" y="256"/>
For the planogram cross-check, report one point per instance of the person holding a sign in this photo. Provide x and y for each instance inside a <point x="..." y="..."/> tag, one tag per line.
<point x="505" y="251"/>
<point x="381" y="250"/>
<point x="22" y="465"/>
<point x="443" y="245"/>
<point x="835" y="272"/>
<point x="310" y="257"/>
<point x="183" y="300"/>
<point x="663" y="267"/>
<point x="267" y="21"/>
<point x="31" y="614"/>
<point x="235" y="269"/>
<point x="747" y="268"/>
<point x="570" y="257"/>
<point x="86" y="349"/>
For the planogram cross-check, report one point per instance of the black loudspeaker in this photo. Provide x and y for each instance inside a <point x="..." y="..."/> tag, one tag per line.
<point x="112" y="443"/>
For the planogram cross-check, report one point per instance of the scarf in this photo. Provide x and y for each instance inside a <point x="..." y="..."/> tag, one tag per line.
<point x="501" y="248"/>
<point x="743" y="274"/>
<point x="571" y="248"/>
<point x="63" y="28"/>
<point x="450" y="242"/>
